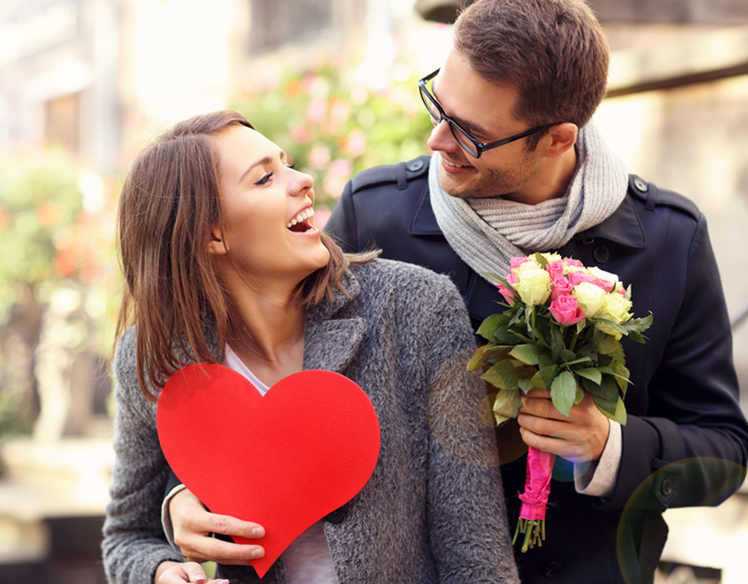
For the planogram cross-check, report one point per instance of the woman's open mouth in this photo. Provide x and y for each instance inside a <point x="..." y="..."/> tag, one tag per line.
<point x="300" y="223"/>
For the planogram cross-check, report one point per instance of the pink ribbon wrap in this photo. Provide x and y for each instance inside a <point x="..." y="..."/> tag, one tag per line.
<point x="537" y="484"/>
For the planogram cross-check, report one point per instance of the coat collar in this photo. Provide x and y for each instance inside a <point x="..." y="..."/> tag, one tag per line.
<point x="623" y="226"/>
<point x="332" y="337"/>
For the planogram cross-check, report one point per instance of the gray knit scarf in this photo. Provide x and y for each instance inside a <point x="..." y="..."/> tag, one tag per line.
<point x="487" y="231"/>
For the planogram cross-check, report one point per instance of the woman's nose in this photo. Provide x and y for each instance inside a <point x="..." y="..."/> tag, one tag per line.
<point x="301" y="183"/>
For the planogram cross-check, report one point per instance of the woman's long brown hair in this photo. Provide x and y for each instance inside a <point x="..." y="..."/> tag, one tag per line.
<point x="168" y="205"/>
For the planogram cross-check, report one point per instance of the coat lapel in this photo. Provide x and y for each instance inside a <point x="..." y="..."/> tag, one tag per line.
<point x="331" y="340"/>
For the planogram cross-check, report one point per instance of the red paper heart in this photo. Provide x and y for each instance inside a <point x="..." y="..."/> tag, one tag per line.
<point x="284" y="460"/>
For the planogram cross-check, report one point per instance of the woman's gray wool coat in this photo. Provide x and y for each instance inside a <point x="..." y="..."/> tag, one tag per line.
<point x="433" y="510"/>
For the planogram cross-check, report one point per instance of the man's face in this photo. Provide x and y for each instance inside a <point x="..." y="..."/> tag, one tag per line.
<point x="485" y="109"/>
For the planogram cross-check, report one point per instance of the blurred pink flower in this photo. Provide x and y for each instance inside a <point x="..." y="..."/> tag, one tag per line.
<point x="355" y="143"/>
<point x="319" y="156"/>
<point x="340" y="111"/>
<point x="316" y="111"/>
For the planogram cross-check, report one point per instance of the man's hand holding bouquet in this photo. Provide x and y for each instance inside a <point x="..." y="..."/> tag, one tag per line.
<point x="561" y="331"/>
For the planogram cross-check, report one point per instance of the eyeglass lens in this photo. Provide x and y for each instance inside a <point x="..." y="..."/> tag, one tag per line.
<point x="436" y="117"/>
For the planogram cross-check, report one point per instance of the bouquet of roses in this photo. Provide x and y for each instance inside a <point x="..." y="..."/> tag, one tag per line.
<point x="561" y="331"/>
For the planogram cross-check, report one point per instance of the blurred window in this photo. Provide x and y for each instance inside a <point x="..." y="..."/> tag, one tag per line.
<point x="279" y="22"/>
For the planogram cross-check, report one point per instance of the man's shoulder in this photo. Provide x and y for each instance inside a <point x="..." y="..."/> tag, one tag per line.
<point x="652" y="196"/>
<point x="391" y="175"/>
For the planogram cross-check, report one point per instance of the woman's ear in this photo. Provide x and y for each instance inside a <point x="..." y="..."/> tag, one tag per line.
<point x="216" y="245"/>
<point x="562" y="137"/>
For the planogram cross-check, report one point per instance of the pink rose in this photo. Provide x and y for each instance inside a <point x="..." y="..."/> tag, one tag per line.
<point x="560" y="286"/>
<point x="515" y="263"/>
<point x="566" y="311"/>
<point x="604" y="284"/>
<point x="578" y="277"/>
<point x="555" y="269"/>
<point x="508" y="295"/>
<point x="575" y="263"/>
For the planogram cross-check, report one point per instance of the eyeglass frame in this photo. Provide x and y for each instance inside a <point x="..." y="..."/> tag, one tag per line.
<point x="480" y="147"/>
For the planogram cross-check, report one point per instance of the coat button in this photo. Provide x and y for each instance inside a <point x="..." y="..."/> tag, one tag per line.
<point x="666" y="488"/>
<point x="640" y="185"/>
<point x="336" y="516"/>
<point x="415" y="165"/>
<point x="552" y="569"/>
<point x="601" y="254"/>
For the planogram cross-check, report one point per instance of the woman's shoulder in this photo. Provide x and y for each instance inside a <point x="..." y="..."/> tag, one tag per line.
<point x="385" y="280"/>
<point x="392" y="272"/>
<point x="124" y="356"/>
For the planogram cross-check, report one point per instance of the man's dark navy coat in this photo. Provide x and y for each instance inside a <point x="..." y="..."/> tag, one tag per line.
<point x="686" y="440"/>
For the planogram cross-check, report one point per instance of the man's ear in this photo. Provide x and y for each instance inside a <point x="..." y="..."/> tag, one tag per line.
<point x="216" y="245"/>
<point x="560" y="139"/>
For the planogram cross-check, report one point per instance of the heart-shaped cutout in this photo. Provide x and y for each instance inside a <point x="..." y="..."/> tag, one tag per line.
<point x="284" y="460"/>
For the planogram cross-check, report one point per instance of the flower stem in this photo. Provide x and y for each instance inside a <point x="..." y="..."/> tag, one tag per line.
<point x="534" y="533"/>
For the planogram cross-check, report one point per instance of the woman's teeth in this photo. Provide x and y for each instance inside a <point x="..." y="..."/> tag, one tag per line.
<point x="301" y="217"/>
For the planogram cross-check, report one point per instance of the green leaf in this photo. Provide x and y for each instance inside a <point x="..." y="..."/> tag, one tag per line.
<point x="547" y="375"/>
<point x="504" y="375"/>
<point x="557" y="344"/>
<point x="506" y="405"/>
<point x="527" y="383"/>
<point x="563" y="392"/>
<point x="487" y="355"/>
<point x="608" y="408"/>
<point x="527" y="353"/>
<point x="568" y="356"/>
<point x="578" y="361"/>
<point x="622" y="374"/>
<point x="545" y="359"/>
<point x="580" y="396"/>
<point x="612" y="371"/>
<point x="606" y="344"/>
<point x="591" y="373"/>
<point x="489" y="325"/>
<point x="606" y="396"/>
<point x="538" y="257"/>
<point x="637" y="337"/>
<point x="535" y="381"/>
<point x="616" y="412"/>
<point x="507" y="336"/>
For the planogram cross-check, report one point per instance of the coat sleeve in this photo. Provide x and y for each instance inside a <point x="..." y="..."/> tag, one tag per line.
<point x="467" y="515"/>
<point x="134" y="543"/>
<point x="690" y="448"/>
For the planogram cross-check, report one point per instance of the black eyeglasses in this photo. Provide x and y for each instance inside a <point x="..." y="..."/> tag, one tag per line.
<point x="472" y="146"/>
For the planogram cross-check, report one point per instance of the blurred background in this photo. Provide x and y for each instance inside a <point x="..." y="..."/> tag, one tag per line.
<point x="85" y="83"/>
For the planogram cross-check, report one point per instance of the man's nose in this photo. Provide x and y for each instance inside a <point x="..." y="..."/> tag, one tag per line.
<point x="441" y="138"/>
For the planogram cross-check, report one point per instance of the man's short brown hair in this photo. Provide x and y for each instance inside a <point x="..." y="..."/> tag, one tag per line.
<point x="553" y="52"/>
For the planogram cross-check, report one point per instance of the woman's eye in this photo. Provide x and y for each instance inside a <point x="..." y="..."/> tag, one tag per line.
<point x="292" y="166"/>
<point x="264" y="179"/>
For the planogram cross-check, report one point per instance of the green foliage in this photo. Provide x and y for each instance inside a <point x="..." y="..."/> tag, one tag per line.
<point x="39" y="202"/>
<point x="57" y="241"/>
<point x="332" y="127"/>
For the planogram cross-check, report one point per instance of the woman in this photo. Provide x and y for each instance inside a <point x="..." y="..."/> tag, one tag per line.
<point x="223" y="265"/>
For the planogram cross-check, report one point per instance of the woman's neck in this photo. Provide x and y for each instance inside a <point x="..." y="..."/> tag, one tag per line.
<point x="268" y="335"/>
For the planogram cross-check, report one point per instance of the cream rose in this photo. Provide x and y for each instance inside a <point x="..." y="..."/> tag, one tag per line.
<point x="534" y="286"/>
<point x="591" y="298"/>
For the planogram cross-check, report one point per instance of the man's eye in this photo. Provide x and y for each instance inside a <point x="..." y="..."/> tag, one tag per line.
<point x="264" y="179"/>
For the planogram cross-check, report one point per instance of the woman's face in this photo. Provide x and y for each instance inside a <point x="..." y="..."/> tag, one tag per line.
<point x="267" y="211"/>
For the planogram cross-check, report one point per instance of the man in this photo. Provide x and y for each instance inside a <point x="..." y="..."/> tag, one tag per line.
<point x="518" y="167"/>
